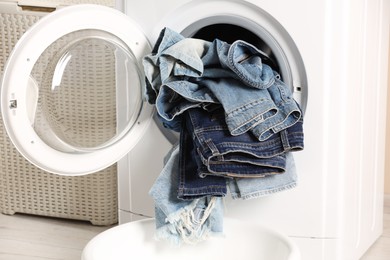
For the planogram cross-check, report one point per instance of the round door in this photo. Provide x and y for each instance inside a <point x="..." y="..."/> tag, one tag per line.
<point x="71" y="96"/>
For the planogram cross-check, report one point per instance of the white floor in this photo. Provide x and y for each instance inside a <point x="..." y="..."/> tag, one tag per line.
<point x="24" y="237"/>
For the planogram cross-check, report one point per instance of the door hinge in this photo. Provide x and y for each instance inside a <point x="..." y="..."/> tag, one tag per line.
<point x="37" y="6"/>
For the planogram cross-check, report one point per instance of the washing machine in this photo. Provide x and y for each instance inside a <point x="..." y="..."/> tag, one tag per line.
<point x="332" y="53"/>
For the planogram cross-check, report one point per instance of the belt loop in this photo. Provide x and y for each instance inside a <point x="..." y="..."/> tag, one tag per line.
<point x="214" y="149"/>
<point x="285" y="142"/>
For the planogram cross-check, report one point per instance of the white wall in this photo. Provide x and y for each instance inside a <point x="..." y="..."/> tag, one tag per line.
<point x="387" y="166"/>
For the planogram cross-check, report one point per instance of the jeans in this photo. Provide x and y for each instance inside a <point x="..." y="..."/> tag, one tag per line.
<point x="212" y="156"/>
<point x="238" y="125"/>
<point x="179" y="221"/>
<point x="221" y="154"/>
<point x="191" y="221"/>
<point x="188" y="73"/>
<point x="245" y="188"/>
<point x="192" y="183"/>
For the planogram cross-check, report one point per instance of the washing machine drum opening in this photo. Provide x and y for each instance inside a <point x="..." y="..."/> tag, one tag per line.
<point x="255" y="26"/>
<point x="263" y="32"/>
<point x="230" y="33"/>
<point x="75" y="88"/>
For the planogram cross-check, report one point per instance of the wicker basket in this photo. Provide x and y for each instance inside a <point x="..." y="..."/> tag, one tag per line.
<point x="25" y="188"/>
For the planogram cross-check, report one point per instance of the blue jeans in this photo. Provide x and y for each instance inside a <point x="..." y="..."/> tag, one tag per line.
<point x="189" y="73"/>
<point x="221" y="154"/>
<point x="179" y="221"/>
<point x="192" y="183"/>
<point x="238" y="124"/>
<point x="213" y="154"/>
<point x="248" y="188"/>
<point x="191" y="221"/>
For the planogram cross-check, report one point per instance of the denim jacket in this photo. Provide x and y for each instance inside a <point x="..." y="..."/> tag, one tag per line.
<point x="186" y="73"/>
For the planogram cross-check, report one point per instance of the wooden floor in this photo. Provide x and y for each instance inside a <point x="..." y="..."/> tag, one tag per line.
<point x="24" y="237"/>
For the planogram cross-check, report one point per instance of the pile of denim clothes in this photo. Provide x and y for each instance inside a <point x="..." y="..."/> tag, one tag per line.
<point x="238" y="125"/>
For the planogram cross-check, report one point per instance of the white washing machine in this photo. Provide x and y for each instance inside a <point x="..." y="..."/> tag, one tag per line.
<point x="332" y="53"/>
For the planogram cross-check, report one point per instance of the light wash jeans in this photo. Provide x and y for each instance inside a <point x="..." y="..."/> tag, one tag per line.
<point x="192" y="221"/>
<point x="183" y="221"/>
<point x="186" y="73"/>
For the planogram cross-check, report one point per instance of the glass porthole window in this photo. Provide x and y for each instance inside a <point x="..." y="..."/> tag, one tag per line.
<point x="71" y="97"/>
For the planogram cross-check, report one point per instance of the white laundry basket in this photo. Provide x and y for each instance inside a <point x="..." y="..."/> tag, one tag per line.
<point x="240" y="241"/>
<point x="25" y="188"/>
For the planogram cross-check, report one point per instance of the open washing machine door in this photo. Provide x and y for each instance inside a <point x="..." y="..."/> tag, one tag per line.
<point x="71" y="96"/>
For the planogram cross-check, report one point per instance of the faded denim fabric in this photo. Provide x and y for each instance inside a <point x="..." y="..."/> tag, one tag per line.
<point x="173" y="60"/>
<point x="187" y="73"/>
<point x="238" y="125"/>
<point x="289" y="112"/>
<point x="183" y="221"/>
